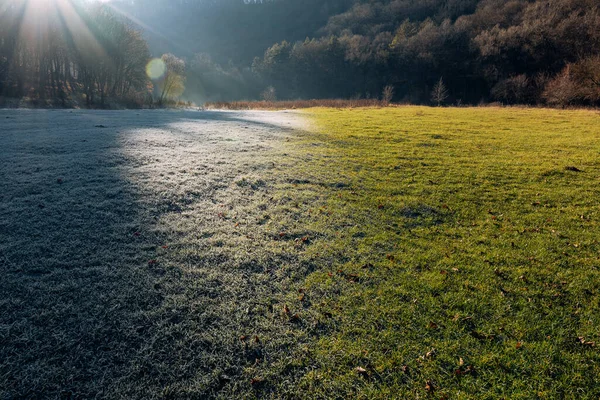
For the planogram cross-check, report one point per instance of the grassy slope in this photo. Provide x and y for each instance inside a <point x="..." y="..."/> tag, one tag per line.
<point x="443" y="235"/>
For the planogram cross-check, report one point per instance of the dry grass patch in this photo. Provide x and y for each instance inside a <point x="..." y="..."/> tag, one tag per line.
<point x="293" y="104"/>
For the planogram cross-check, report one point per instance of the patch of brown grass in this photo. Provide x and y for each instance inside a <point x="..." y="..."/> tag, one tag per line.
<point x="293" y="104"/>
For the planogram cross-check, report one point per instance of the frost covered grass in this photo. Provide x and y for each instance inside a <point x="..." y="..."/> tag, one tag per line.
<point x="404" y="252"/>
<point x="136" y="261"/>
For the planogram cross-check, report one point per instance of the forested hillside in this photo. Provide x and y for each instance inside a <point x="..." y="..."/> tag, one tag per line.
<point x="469" y="51"/>
<point x="516" y="51"/>
<point x="70" y="52"/>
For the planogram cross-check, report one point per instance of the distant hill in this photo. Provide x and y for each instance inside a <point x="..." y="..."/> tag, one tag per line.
<point x="471" y="51"/>
<point x="511" y="51"/>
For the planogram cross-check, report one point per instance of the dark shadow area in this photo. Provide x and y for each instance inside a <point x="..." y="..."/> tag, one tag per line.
<point x="84" y="286"/>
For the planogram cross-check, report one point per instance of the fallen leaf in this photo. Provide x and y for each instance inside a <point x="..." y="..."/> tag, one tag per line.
<point x="432" y="325"/>
<point x="429" y="386"/>
<point x="584" y="342"/>
<point x="256" y="381"/>
<point x="286" y="309"/>
<point x="470" y="370"/>
<point x="519" y="345"/>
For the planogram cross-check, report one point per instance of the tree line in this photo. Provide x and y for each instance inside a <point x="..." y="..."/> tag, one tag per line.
<point x="517" y="51"/>
<point x="508" y="51"/>
<point x="72" y="52"/>
<point x="425" y="51"/>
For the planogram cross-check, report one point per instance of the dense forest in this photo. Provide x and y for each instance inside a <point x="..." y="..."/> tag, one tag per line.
<point x="55" y="51"/>
<point x="428" y="51"/>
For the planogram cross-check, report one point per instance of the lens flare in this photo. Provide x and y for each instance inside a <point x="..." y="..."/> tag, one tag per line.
<point x="156" y="68"/>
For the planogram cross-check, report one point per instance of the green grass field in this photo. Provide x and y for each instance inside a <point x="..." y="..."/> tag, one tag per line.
<point x="374" y="253"/>
<point x="457" y="252"/>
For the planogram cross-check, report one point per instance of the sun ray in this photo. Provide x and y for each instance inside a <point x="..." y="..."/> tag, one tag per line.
<point x="40" y="16"/>
<point x="80" y="32"/>
<point x="143" y="25"/>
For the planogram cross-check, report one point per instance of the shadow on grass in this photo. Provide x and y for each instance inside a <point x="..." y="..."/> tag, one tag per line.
<point x="92" y="304"/>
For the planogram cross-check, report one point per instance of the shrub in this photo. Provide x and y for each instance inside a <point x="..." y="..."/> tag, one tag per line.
<point x="516" y="89"/>
<point x="562" y="90"/>
<point x="387" y="94"/>
<point x="439" y="94"/>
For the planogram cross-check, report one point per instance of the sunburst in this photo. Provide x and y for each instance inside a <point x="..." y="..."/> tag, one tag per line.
<point x="39" y="18"/>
